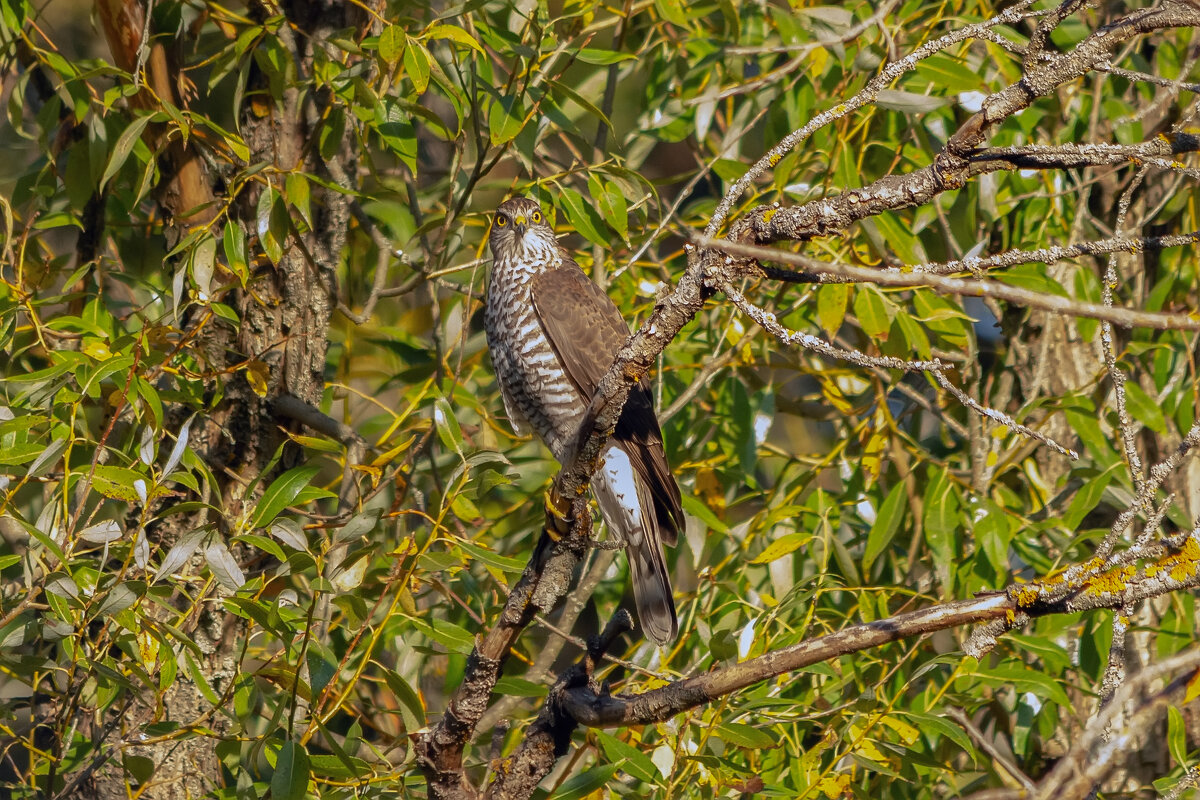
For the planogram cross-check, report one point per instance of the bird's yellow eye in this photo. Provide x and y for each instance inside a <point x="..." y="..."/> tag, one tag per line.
<point x="500" y="221"/>
<point x="536" y="216"/>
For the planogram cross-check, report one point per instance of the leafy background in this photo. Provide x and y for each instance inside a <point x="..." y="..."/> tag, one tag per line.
<point x="820" y="494"/>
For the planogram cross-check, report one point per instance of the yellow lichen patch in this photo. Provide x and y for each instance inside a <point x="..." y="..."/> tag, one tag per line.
<point x="775" y="159"/>
<point x="1110" y="582"/>
<point x="1026" y="595"/>
<point x="770" y="212"/>
<point x="1180" y="566"/>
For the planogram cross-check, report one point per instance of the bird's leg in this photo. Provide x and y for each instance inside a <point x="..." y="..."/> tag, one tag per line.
<point x="607" y="544"/>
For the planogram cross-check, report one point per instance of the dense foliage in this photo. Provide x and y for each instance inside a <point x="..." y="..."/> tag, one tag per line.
<point x="340" y="588"/>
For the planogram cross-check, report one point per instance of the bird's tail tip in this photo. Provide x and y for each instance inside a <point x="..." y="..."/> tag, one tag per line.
<point x="654" y="597"/>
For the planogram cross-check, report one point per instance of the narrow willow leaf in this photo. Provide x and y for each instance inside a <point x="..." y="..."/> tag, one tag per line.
<point x="223" y="565"/>
<point x="179" y="554"/>
<point x="180" y="445"/>
<point x="102" y="533"/>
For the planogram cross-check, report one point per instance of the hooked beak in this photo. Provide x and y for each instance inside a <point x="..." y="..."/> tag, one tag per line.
<point x="519" y="225"/>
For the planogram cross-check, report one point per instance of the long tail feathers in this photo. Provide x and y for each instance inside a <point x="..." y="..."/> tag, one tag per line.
<point x="652" y="591"/>
<point x="627" y="505"/>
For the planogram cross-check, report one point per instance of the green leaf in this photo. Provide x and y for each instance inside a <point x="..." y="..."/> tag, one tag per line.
<point x="583" y="217"/>
<point x="280" y="494"/>
<point x="909" y="102"/>
<point x="592" y="55"/>
<point x="1144" y="409"/>
<point x="509" y="686"/>
<point x="391" y="44"/>
<point x="748" y="736"/>
<point x="933" y="726"/>
<point x="623" y="754"/>
<point x="454" y="637"/>
<point x="696" y="507"/>
<point x="447" y="425"/>
<point x="940" y="505"/>
<point x="913" y="334"/>
<point x="120" y="483"/>
<point x="946" y="72"/>
<point x="832" y="300"/>
<point x="290" y="781"/>
<point x="671" y="11"/>
<point x="1022" y="679"/>
<point x="505" y="120"/>
<point x="1177" y="736"/>
<point x="223" y="565"/>
<point x="586" y="782"/>
<point x="887" y="522"/>
<point x="124" y="146"/>
<point x="416" y="66"/>
<point x="485" y="556"/>
<point x="581" y="101"/>
<point x="614" y="208"/>
<point x="411" y="707"/>
<point x="47" y="459"/>
<point x="1089" y="496"/>
<point x="871" y="311"/>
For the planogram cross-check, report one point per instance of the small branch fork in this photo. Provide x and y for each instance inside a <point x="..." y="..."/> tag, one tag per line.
<point x="1113" y="581"/>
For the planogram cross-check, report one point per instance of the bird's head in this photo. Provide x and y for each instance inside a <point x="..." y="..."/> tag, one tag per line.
<point x="519" y="229"/>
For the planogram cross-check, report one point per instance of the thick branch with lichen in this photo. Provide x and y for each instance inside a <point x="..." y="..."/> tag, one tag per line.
<point x="1175" y="570"/>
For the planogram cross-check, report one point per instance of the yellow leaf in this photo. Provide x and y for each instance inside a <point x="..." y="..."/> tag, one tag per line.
<point x="257" y="374"/>
<point x="710" y="490"/>
<point x="454" y="34"/>
<point x="820" y="60"/>
<point x="1193" y="687"/>
<point x="386" y="458"/>
<point x="865" y="747"/>
<point x="97" y="349"/>
<point x="907" y="733"/>
<point x="735" y="332"/>
<point x="375" y="472"/>
<point x="834" y="396"/>
<point x="147" y="648"/>
<point x="872" y="457"/>
<point x="782" y="546"/>
<point x="835" y="786"/>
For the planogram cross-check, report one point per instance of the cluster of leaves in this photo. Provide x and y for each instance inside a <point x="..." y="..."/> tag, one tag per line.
<point x="822" y="494"/>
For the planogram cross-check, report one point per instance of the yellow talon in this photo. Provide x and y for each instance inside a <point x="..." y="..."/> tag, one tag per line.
<point x="553" y="502"/>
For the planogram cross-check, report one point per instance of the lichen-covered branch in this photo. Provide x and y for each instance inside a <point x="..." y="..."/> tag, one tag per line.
<point x="1176" y="570"/>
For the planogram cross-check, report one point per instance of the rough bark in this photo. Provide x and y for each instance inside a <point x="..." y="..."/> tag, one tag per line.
<point x="284" y="316"/>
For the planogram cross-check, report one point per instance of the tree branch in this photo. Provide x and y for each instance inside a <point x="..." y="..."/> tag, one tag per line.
<point x="1177" y="570"/>
<point x="1066" y="306"/>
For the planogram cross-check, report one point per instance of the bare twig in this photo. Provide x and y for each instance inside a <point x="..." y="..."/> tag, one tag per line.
<point x="1131" y="318"/>
<point x="868" y="94"/>
<point x="988" y="746"/>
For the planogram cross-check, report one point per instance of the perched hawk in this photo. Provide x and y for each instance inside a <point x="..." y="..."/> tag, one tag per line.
<point x="553" y="334"/>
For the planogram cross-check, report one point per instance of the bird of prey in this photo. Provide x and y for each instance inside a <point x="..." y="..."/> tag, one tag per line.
<point x="553" y="334"/>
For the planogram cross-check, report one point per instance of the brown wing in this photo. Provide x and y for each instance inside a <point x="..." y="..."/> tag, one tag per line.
<point x="586" y="330"/>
